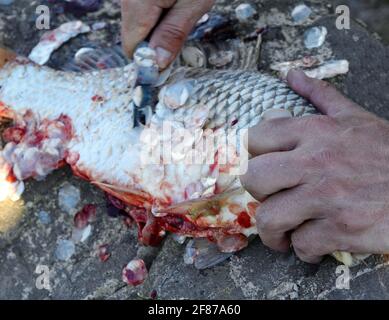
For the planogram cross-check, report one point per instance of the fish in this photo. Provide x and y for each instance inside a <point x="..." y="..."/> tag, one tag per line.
<point x="90" y="121"/>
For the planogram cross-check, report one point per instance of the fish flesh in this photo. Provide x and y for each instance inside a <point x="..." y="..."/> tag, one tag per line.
<point x="90" y="121"/>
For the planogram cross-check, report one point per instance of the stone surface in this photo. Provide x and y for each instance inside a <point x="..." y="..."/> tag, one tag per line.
<point x="255" y="273"/>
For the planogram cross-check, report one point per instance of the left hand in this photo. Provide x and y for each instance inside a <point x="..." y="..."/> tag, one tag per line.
<point x="142" y="17"/>
<point x="323" y="179"/>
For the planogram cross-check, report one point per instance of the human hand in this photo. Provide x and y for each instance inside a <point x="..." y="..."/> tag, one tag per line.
<point x="323" y="179"/>
<point x="140" y="18"/>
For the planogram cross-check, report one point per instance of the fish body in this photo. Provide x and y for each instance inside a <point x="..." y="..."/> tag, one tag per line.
<point x="86" y="120"/>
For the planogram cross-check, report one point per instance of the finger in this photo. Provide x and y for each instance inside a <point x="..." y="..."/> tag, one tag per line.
<point x="321" y="94"/>
<point x="273" y="135"/>
<point x="170" y="35"/>
<point x="138" y="19"/>
<point x="271" y="173"/>
<point x="282" y="213"/>
<point x="313" y="240"/>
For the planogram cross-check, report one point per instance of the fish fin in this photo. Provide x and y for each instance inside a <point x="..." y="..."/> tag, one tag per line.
<point x="204" y="254"/>
<point x="91" y="59"/>
<point x="128" y="196"/>
<point x="197" y="204"/>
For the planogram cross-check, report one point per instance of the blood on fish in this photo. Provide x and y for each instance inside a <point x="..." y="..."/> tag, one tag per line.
<point x="33" y="137"/>
<point x="182" y="225"/>
<point x="68" y="128"/>
<point x="148" y="229"/>
<point x="97" y="98"/>
<point x="49" y="37"/>
<point x="116" y="202"/>
<point x="139" y="215"/>
<point x="101" y="65"/>
<point x="14" y="134"/>
<point x="151" y="234"/>
<point x="81" y="174"/>
<point x="38" y="137"/>
<point x="11" y="177"/>
<point x="72" y="157"/>
<point x="86" y="215"/>
<point x="244" y="220"/>
<point x="213" y="167"/>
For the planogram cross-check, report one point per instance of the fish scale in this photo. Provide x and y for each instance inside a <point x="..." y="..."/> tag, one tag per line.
<point x="241" y="96"/>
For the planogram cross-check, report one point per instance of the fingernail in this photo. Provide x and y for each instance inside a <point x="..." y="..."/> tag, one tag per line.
<point x="163" y="57"/>
<point x="294" y="74"/>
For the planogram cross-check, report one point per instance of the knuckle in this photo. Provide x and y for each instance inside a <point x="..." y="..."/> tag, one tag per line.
<point x="318" y="123"/>
<point x="301" y="243"/>
<point x="256" y="170"/>
<point x="172" y="32"/>
<point x="323" y="157"/>
<point x="265" y="223"/>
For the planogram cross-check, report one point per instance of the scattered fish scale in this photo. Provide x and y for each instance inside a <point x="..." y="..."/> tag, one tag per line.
<point x="68" y="198"/>
<point x="65" y="250"/>
<point x="135" y="272"/>
<point x="301" y="13"/>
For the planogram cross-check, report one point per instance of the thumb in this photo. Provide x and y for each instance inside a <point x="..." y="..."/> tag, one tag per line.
<point x="321" y="94"/>
<point x="170" y="35"/>
<point x="138" y="19"/>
